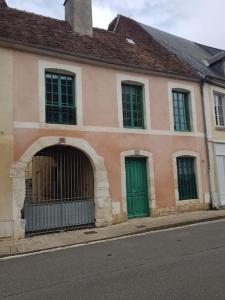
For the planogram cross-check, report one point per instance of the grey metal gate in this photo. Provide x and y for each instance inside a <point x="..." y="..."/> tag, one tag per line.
<point x="59" y="191"/>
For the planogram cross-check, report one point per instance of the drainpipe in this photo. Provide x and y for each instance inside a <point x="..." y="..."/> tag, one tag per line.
<point x="202" y="84"/>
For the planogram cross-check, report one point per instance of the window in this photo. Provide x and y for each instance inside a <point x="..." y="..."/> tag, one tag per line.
<point x="132" y="98"/>
<point x="60" y="99"/>
<point x="219" y="109"/>
<point x="181" y="112"/>
<point x="187" y="186"/>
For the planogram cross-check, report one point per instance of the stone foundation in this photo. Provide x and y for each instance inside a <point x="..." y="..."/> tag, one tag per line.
<point x="179" y="209"/>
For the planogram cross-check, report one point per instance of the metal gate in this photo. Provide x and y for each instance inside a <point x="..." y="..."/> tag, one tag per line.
<point x="59" y="191"/>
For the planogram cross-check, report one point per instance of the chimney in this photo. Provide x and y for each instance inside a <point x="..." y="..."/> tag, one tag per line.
<point x="79" y="14"/>
<point x="3" y="4"/>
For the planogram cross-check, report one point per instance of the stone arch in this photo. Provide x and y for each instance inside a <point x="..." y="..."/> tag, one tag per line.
<point x="150" y="174"/>
<point x="103" y="206"/>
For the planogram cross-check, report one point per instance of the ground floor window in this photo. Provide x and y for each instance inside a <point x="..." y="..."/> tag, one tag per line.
<point x="186" y="174"/>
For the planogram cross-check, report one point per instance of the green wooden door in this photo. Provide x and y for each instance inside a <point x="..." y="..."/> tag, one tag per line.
<point x="137" y="188"/>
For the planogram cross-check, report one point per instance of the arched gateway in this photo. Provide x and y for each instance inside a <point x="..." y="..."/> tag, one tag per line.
<point x="60" y="186"/>
<point x="59" y="191"/>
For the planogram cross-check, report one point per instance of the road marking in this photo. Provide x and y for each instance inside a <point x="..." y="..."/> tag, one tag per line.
<point x="106" y="240"/>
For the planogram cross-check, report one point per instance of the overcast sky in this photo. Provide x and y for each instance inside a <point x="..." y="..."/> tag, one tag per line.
<point x="198" y="20"/>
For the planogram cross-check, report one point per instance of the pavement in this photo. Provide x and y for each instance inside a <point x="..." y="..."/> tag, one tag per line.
<point x="186" y="263"/>
<point x="10" y="247"/>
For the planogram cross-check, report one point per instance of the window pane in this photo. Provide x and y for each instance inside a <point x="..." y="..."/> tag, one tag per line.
<point x="55" y="98"/>
<point x="49" y="98"/>
<point x="221" y="120"/>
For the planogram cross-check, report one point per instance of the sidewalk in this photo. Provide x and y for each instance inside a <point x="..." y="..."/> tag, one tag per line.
<point x="51" y="241"/>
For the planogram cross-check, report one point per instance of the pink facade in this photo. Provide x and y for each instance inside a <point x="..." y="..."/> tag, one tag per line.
<point x="101" y="130"/>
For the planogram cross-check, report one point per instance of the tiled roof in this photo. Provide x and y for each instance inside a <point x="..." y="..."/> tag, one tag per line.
<point x="50" y="34"/>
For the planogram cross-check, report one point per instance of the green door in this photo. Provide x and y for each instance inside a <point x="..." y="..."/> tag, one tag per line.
<point x="137" y="188"/>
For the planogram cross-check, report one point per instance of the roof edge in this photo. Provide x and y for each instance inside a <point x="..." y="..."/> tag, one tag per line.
<point x="114" y="23"/>
<point x="91" y="60"/>
<point x="216" y="58"/>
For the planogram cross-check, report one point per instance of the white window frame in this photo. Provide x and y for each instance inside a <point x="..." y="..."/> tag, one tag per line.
<point x="215" y="105"/>
<point x="60" y="68"/>
<point x="134" y="80"/>
<point x="177" y="86"/>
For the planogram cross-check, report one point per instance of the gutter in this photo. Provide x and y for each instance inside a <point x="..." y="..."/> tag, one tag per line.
<point x="216" y="81"/>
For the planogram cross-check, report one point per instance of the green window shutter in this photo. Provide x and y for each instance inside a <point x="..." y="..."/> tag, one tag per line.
<point x="186" y="178"/>
<point x="181" y="112"/>
<point x="60" y="99"/>
<point x="133" y="111"/>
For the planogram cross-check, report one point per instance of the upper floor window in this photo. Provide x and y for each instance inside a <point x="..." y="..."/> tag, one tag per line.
<point x="60" y="99"/>
<point x="181" y="111"/>
<point x="219" y="109"/>
<point x="133" y="112"/>
<point x="187" y="185"/>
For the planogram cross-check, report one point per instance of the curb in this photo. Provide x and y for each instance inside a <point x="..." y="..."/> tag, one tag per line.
<point x="144" y="230"/>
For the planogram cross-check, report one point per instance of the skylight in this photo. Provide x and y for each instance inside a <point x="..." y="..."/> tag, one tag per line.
<point x="130" y="41"/>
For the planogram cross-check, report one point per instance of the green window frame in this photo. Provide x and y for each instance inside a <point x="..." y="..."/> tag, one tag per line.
<point x="187" y="186"/>
<point x="181" y="111"/>
<point x="60" y="99"/>
<point x="133" y="110"/>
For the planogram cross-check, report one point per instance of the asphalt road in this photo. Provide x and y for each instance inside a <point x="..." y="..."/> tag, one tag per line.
<point x="186" y="263"/>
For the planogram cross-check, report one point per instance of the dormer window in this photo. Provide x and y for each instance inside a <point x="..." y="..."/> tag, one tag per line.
<point x="130" y="41"/>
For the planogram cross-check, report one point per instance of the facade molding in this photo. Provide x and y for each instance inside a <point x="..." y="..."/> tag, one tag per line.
<point x="196" y="155"/>
<point x="36" y="125"/>
<point x="150" y="177"/>
<point x="103" y="203"/>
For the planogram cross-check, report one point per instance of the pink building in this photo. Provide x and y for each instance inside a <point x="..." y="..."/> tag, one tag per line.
<point x="96" y="126"/>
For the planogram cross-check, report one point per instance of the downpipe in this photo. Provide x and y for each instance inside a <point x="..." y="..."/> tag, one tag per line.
<point x="212" y="204"/>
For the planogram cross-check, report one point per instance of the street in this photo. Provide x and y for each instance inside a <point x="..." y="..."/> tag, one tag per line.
<point x="184" y="263"/>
